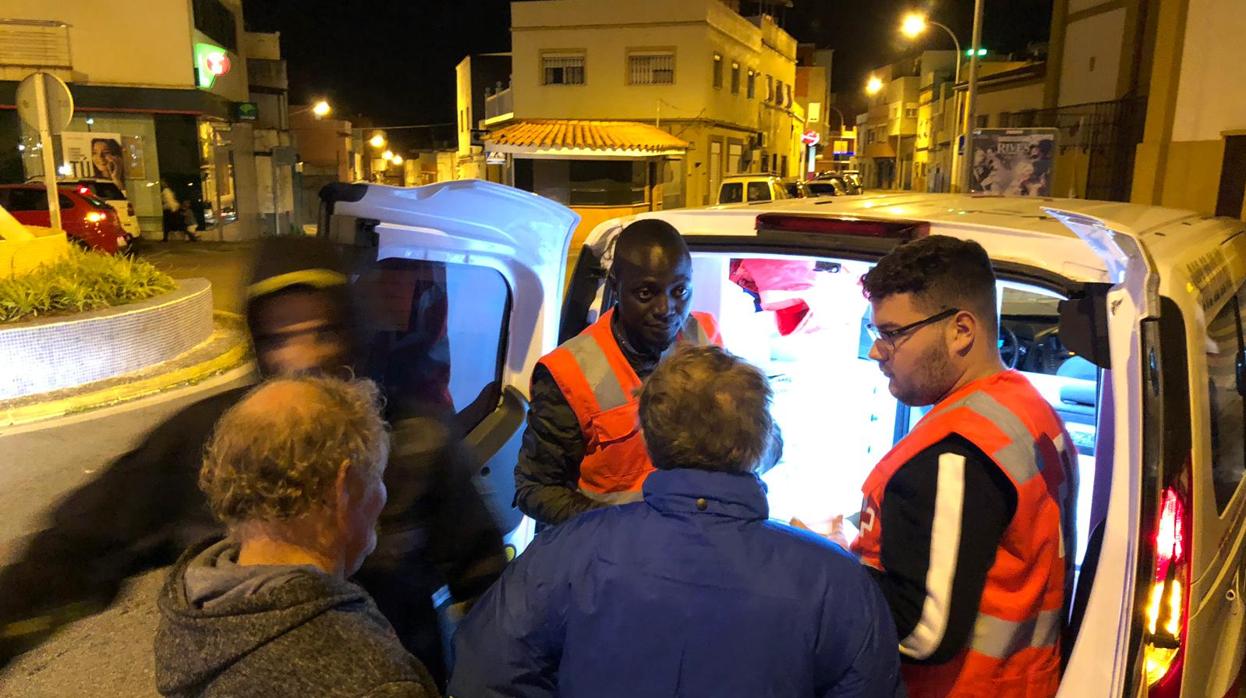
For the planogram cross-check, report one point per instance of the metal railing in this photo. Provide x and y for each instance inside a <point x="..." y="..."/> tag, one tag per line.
<point x="28" y="43"/>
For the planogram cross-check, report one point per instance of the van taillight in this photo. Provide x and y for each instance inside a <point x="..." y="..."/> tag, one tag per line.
<point x="1167" y="609"/>
<point x="796" y="223"/>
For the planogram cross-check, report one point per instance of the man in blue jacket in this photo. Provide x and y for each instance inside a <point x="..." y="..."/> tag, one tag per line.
<point x="693" y="591"/>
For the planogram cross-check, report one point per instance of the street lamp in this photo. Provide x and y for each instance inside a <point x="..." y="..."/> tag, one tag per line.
<point x="397" y="159"/>
<point x="915" y="24"/>
<point x="377" y="141"/>
<point x="873" y="86"/>
<point x="321" y="109"/>
<point x="388" y="156"/>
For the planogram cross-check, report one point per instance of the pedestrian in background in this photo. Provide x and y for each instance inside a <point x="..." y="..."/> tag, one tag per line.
<point x="294" y="472"/>
<point x="693" y="591"/>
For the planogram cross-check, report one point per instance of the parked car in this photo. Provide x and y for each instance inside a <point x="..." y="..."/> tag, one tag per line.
<point x="108" y="190"/>
<point x="832" y="185"/>
<point x="1127" y="318"/>
<point x="739" y="189"/>
<point x="88" y="221"/>
<point x="796" y="188"/>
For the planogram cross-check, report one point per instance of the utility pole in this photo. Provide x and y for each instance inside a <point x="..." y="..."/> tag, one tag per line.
<point x="971" y="98"/>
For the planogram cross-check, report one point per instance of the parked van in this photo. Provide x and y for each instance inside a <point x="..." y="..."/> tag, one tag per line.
<point x="750" y="189"/>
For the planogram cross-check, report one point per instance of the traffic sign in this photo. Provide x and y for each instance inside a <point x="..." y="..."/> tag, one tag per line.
<point x="60" y="102"/>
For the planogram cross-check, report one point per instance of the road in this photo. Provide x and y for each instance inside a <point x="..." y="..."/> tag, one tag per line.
<point x="108" y="654"/>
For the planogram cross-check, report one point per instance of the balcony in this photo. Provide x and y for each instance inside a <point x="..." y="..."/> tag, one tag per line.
<point x="34" y="44"/>
<point x="498" y="102"/>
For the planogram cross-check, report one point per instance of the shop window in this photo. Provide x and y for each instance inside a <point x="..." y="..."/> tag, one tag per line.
<point x="435" y="336"/>
<point x="562" y="69"/>
<point x="735" y="78"/>
<point x="718" y="70"/>
<point x="1225" y="348"/>
<point x="651" y="68"/>
<point x="606" y="182"/>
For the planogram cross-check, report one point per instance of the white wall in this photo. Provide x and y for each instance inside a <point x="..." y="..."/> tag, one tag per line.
<point x="1211" y="97"/>
<point x="1095" y="39"/>
<point x="140" y="43"/>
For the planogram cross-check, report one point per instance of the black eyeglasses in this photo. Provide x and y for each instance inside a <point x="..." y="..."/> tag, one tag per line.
<point x="889" y="337"/>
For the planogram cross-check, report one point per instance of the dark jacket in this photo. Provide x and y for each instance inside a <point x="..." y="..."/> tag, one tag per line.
<point x="145" y="508"/>
<point x="227" y="630"/>
<point x="692" y="592"/>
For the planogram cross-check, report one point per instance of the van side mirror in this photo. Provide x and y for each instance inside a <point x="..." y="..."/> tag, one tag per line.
<point x="1084" y="324"/>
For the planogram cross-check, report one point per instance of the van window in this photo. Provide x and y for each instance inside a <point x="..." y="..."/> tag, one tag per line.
<point x="1227" y="408"/>
<point x="731" y="193"/>
<point x="758" y="191"/>
<point x="801" y="320"/>
<point x="434" y="336"/>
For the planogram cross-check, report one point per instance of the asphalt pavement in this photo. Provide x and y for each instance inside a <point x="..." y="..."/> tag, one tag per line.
<point x="109" y="654"/>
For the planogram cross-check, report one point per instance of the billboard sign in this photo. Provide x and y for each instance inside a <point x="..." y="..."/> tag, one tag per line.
<point x="1013" y="162"/>
<point x="96" y="155"/>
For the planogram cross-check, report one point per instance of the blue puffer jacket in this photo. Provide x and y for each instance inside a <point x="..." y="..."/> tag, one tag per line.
<point x="692" y="592"/>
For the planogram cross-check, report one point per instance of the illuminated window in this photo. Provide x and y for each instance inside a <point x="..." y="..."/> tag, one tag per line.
<point x="562" y="68"/>
<point x="718" y="70"/>
<point x="752" y="83"/>
<point x="651" y="68"/>
<point x="735" y="78"/>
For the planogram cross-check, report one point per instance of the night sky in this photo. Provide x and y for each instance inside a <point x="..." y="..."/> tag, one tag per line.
<point x="394" y="61"/>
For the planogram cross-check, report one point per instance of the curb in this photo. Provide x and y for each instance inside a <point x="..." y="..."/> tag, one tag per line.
<point x="233" y="357"/>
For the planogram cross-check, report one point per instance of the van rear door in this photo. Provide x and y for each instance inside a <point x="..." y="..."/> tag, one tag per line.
<point x="463" y="282"/>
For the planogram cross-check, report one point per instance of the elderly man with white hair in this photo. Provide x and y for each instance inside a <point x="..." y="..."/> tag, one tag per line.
<point x="294" y="471"/>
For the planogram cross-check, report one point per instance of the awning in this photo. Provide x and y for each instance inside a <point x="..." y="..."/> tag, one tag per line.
<point x="578" y="138"/>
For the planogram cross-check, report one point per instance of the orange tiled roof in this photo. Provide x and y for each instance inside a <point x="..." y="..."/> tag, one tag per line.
<point x="596" y="135"/>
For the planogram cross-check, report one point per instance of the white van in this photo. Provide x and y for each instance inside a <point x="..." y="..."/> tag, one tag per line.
<point x="1127" y="318"/>
<point x="751" y="189"/>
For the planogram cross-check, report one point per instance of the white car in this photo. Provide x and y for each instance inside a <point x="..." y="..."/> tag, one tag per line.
<point x="1128" y="318"/>
<point x="751" y="189"/>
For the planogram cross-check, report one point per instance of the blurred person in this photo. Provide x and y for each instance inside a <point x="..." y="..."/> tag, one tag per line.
<point x="175" y="219"/>
<point x="582" y="448"/>
<point x="294" y="472"/>
<point x="693" y="591"/>
<point x="967" y="523"/>
<point x="144" y="508"/>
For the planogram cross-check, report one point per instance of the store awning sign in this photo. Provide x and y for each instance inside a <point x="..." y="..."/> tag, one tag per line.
<point x="246" y="111"/>
<point x="211" y="62"/>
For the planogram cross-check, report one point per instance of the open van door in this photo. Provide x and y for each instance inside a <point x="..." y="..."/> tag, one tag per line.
<point x="463" y="281"/>
<point x="1136" y="596"/>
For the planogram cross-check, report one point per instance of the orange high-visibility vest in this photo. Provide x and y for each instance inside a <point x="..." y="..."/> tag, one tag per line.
<point x="601" y="386"/>
<point x="1014" y="650"/>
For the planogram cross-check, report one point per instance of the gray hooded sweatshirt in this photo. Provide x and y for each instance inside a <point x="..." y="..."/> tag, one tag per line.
<point x="229" y="630"/>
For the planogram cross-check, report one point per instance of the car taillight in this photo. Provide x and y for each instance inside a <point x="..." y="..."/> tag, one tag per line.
<point x="1167" y="609"/>
<point x="96" y="216"/>
<point x="796" y="223"/>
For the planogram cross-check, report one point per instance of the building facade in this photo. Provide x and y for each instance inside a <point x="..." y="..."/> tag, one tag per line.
<point x="166" y="87"/>
<point x="887" y="132"/>
<point x="697" y="70"/>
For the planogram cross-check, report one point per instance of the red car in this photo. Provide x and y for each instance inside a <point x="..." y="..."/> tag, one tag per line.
<point x="87" y="220"/>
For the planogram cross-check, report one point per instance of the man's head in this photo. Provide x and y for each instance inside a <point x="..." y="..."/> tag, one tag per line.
<point x="300" y="460"/>
<point x="299" y="309"/>
<point x="934" y="313"/>
<point x="652" y="279"/>
<point x="705" y="409"/>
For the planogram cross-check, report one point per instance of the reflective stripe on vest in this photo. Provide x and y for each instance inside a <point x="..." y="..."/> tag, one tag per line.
<point x="1017" y="630"/>
<point x="600" y="386"/>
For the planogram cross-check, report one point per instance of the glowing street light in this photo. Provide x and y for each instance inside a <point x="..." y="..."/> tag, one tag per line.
<point x="377" y="141"/>
<point x="873" y="86"/>
<point x="321" y="109"/>
<point x="388" y="156"/>
<point x="914" y="25"/>
<point x="397" y="159"/>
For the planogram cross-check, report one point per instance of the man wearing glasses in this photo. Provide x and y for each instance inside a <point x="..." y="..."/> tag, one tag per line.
<point x="967" y="522"/>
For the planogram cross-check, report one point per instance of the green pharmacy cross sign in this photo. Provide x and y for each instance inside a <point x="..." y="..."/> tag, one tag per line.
<point x="211" y="62"/>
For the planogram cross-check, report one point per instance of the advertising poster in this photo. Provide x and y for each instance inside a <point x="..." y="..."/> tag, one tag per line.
<point x="1013" y="162"/>
<point x="95" y="155"/>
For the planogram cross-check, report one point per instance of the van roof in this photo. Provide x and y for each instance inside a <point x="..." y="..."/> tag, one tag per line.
<point x="1017" y="229"/>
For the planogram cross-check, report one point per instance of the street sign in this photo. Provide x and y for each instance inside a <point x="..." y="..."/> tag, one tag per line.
<point x="246" y="111"/>
<point x="811" y="137"/>
<point x="44" y="102"/>
<point x="60" y="102"/>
